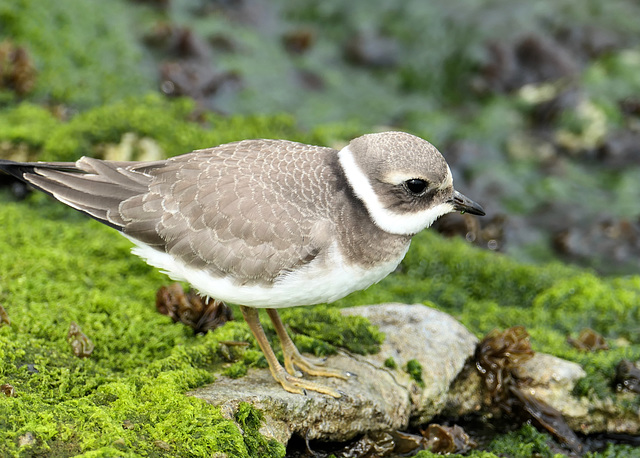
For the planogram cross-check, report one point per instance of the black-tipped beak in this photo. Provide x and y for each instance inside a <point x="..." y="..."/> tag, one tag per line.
<point x="463" y="204"/>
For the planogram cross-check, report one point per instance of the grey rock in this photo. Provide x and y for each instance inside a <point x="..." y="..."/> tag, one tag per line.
<point x="371" y="401"/>
<point x="440" y="343"/>
<point x="377" y="398"/>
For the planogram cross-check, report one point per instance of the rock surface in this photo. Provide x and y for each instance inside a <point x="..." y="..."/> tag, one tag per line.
<point x="380" y="398"/>
<point x="435" y="339"/>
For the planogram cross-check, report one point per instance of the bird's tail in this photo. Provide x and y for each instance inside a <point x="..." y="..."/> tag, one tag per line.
<point x="89" y="185"/>
<point x="19" y="169"/>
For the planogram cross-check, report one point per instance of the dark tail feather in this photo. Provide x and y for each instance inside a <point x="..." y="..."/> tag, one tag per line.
<point x="95" y="202"/>
<point x="18" y="169"/>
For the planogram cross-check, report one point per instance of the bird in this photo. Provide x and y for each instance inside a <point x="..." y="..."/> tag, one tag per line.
<point x="267" y="223"/>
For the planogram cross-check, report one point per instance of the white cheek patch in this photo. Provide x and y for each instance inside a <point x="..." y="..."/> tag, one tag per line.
<point x="385" y="219"/>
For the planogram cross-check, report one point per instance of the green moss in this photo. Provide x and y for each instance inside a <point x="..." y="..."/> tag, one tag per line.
<point x="169" y="122"/>
<point x="85" y="51"/>
<point x="236" y="370"/>
<point x="250" y="419"/>
<point x="390" y="363"/>
<point x="414" y="369"/>
<point x="523" y="443"/>
<point x="474" y="454"/>
<point x="142" y="364"/>
<point x="57" y="267"/>
<point x="27" y="124"/>
<point x="327" y="327"/>
<point x="615" y="451"/>
<point x="585" y="294"/>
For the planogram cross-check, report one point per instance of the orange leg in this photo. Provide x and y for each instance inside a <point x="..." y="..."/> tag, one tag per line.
<point x="289" y="382"/>
<point x="292" y="356"/>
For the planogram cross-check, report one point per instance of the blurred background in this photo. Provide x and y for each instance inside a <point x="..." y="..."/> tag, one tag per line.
<point x="536" y="105"/>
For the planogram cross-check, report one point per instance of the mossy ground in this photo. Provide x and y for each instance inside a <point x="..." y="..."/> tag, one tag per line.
<point x="59" y="270"/>
<point x="57" y="266"/>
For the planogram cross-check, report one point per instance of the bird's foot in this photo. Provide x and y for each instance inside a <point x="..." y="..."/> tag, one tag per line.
<point x="300" y="386"/>
<point x="293" y="359"/>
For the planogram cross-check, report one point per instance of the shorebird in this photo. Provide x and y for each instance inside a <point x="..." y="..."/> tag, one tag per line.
<point x="267" y="223"/>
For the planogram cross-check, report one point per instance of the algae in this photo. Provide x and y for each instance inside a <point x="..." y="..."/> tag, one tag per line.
<point x="414" y="369"/>
<point x="390" y="363"/>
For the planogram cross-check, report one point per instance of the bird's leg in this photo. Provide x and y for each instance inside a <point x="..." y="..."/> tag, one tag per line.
<point x="288" y="382"/>
<point x="292" y="356"/>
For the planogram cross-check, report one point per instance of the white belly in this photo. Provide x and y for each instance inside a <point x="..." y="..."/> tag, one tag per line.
<point x="318" y="282"/>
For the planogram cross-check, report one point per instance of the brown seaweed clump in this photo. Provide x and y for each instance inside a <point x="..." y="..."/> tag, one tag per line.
<point x="191" y="309"/>
<point x="7" y="390"/>
<point x="375" y="444"/>
<point x="589" y="340"/>
<point x="81" y="345"/>
<point x="17" y="71"/>
<point x="498" y="354"/>
<point x="437" y="438"/>
<point x="497" y="358"/>
<point x="627" y="377"/>
<point x="445" y="440"/>
<point x="4" y="317"/>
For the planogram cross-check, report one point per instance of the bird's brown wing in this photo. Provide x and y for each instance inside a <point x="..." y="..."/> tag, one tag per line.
<point x="249" y="211"/>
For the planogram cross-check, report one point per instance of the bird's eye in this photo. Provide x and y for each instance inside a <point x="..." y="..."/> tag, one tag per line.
<point x="416" y="186"/>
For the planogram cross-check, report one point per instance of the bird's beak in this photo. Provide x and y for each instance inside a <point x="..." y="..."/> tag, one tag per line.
<point x="463" y="204"/>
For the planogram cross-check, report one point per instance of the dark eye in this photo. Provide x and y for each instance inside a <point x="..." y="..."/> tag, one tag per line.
<point x="416" y="186"/>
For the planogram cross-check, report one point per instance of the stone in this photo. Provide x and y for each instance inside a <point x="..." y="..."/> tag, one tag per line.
<point x="371" y="401"/>
<point x="439" y="342"/>
<point x="378" y="398"/>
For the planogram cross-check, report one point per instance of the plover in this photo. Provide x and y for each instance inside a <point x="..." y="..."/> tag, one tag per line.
<point x="267" y="223"/>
